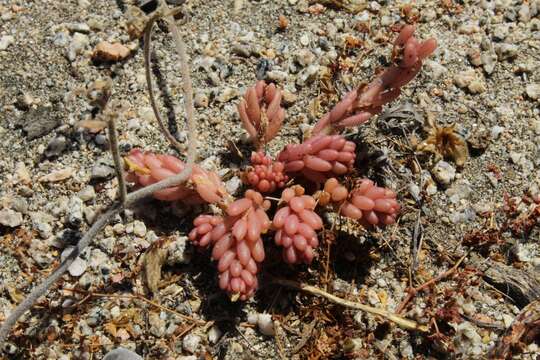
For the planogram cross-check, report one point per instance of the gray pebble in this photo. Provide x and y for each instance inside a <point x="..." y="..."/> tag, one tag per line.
<point x="87" y="193"/>
<point x="191" y="343"/>
<point x="533" y="91"/>
<point x="10" y="218"/>
<point x="56" y="146"/>
<point x="121" y="354"/>
<point x="75" y="211"/>
<point x="5" y="41"/>
<point x="443" y="172"/>
<point x="101" y="171"/>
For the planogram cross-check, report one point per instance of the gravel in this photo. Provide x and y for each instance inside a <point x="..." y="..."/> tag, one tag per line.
<point x="57" y="177"/>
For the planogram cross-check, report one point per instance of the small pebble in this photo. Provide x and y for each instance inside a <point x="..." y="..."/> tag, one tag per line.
<point x="75" y="211"/>
<point x="265" y="324"/>
<point x="533" y="91"/>
<point x="78" y="266"/>
<point x="5" y="41"/>
<point x="444" y="173"/>
<point x="214" y="334"/>
<point x="87" y="193"/>
<point x="139" y="228"/>
<point x="10" y="218"/>
<point x="191" y="343"/>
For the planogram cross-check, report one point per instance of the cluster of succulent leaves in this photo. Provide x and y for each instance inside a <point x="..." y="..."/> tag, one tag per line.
<point x="235" y="234"/>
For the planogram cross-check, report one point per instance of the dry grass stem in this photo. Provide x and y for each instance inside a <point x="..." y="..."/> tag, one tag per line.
<point x="404" y="323"/>
<point x="118" y="164"/>
<point x="411" y="292"/>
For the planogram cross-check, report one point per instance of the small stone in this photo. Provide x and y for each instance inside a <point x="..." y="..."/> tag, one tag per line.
<point x="87" y="193"/>
<point x="78" y="27"/>
<point x="464" y="78"/>
<point x="121" y="354"/>
<point x="515" y="157"/>
<point x="10" y="218"/>
<point x="263" y="66"/>
<point x="101" y="171"/>
<point x="468" y="29"/>
<point x="105" y="51"/>
<point x="305" y="57"/>
<point x="496" y="131"/>
<point x="22" y="175"/>
<point x="477" y="87"/>
<point x="507" y="319"/>
<point x="214" y="334"/>
<point x="241" y="50"/>
<point x="227" y="95"/>
<point x="437" y="70"/>
<point x="5" y="41"/>
<point x="157" y="325"/>
<point x="191" y="343"/>
<point x="277" y="75"/>
<point x="506" y="51"/>
<point x="475" y="57"/>
<point x="500" y="32"/>
<point x="524" y="13"/>
<point x="489" y="60"/>
<point x="139" y="228"/>
<point x="533" y="91"/>
<point x="265" y="324"/>
<point x="75" y="211"/>
<point x="233" y="185"/>
<point x="444" y="172"/>
<point x="56" y="146"/>
<point x="304" y="39"/>
<point x="78" y="266"/>
<point x="308" y="75"/>
<point x="57" y="175"/>
<point x="288" y="98"/>
<point x="78" y="43"/>
<point x="177" y="251"/>
<point x="201" y="100"/>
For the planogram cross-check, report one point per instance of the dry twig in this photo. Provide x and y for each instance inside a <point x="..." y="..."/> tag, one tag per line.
<point x="116" y="208"/>
<point x="118" y="164"/>
<point x="137" y="297"/>
<point x="402" y="322"/>
<point x="411" y="292"/>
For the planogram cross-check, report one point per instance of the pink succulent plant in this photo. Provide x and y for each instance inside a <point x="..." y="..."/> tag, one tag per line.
<point x="319" y="158"/>
<point x="236" y="241"/>
<point x="359" y="105"/>
<point x="146" y="168"/>
<point x="296" y="225"/>
<point x="367" y="202"/>
<point x="261" y="112"/>
<point x="265" y="175"/>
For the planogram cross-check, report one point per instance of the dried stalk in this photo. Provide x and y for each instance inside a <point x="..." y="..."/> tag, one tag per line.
<point x="117" y="207"/>
<point x="184" y="68"/>
<point x="404" y="323"/>
<point x="118" y="164"/>
<point x="411" y="292"/>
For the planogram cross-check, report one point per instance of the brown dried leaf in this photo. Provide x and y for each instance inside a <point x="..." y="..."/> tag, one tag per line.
<point x="110" y="328"/>
<point x="153" y="261"/>
<point x="57" y="175"/>
<point x="93" y="126"/>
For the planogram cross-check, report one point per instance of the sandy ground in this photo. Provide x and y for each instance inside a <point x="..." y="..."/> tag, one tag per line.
<point x="56" y="177"/>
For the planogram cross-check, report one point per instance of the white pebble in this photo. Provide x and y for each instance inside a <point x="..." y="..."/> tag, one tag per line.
<point x="266" y="324"/>
<point x="191" y="343"/>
